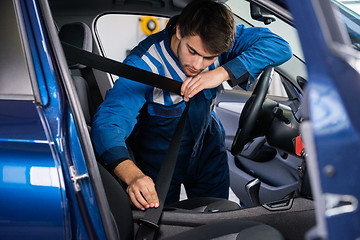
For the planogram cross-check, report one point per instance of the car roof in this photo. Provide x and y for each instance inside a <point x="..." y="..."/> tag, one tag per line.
<point x="166" y="8"/>
<point x="161" y="7"/>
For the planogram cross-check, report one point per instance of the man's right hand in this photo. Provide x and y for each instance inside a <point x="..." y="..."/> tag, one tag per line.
<point x="141" y="188"/>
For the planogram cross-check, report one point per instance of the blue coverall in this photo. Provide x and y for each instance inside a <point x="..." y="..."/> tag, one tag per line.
<point x="202" y="162"/>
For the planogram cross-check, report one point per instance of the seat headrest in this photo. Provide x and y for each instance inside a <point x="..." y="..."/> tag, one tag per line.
<point x="79" y="35"/>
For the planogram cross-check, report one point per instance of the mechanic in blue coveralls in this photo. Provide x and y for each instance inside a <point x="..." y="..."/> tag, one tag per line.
<point x="201" y="48"/>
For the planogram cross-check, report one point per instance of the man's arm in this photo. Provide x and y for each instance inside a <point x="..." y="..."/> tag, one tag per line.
<point x="112" y="124"/>
<point x="253" y="50"/>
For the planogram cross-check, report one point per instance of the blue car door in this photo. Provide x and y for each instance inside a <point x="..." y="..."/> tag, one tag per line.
<point x="332" y="127"/>
<point x="64" y="128"/>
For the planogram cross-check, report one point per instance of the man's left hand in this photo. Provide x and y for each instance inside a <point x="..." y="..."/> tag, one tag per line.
<point x="205" y="80"/>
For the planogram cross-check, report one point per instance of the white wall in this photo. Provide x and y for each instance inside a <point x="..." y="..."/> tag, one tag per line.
<point x="119" y="33"/>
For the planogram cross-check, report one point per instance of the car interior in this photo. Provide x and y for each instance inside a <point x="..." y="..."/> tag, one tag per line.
<point x="268" y="175"/>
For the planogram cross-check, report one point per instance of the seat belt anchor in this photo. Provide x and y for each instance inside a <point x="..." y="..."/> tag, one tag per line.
<point x="147" y="230"/>
<point x="148" y="223"/>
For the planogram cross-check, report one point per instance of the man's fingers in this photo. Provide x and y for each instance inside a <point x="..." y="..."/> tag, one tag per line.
<point x="148" y="197"/>
<point x="150" y="193"/>
<point x="154" y="198"/>
<point x="194" y="90"/>
<point x="140" y="198"/>
<point x="135" y="201"/>
<point x="188" y="85"/>
<point x="185" y="85"/>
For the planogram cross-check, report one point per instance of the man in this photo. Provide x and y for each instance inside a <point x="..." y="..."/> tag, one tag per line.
<point x="201" y="48"/>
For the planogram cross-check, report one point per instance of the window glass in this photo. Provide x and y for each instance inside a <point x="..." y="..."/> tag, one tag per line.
<point x="349" y="13"/>
<point x="14" y="75"/>
<point x="296" y="65"/>
<point x="117" y="34"/>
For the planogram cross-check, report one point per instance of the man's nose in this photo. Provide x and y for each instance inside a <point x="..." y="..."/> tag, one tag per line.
<point x="198" y="62"/>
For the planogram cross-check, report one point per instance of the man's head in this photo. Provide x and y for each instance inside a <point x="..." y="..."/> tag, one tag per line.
<point x="213" y="22"/>
<point x="204" y="30"/>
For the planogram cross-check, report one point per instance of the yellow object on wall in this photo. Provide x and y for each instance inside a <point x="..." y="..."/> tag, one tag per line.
<point x="149" y="25"/>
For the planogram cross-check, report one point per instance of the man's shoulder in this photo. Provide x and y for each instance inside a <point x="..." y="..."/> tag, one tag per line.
<point x="150" y="53"/>
<point x="144" y="46"/>
<point x="243" y="31"/>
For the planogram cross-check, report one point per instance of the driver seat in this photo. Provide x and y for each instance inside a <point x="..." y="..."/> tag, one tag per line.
<point x="230" y="229"/>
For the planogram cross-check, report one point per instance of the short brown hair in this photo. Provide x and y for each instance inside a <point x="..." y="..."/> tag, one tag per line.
<point x="212" y="21"/>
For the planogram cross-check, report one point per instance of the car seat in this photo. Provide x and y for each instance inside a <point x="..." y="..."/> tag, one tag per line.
<point x="79" y="34"/>
<point x="226" y="229"/>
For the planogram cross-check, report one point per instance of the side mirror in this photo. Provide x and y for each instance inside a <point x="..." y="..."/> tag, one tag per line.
<point x="302" y="82"/>
<point x="260" y="14"/>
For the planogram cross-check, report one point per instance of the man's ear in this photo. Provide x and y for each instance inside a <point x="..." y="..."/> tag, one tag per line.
<point x="178" y="33"/>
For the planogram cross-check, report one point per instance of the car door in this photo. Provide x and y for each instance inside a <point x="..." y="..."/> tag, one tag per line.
<point x="32" y="193"/>
<point x="331" y="129"/>
<point x="64" y="126"/>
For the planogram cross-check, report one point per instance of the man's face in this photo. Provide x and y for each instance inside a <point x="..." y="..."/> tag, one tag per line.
<point x="192" y="55"/>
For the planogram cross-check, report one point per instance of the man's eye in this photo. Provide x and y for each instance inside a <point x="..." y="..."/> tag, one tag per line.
<point x="191" y="52"/>
<point x="209" y="58"/>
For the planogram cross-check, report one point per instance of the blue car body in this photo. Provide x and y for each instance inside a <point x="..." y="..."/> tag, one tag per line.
<point x="48" y="186"/>
<point x="38" y="145"/>
<point x="333" y="91"/>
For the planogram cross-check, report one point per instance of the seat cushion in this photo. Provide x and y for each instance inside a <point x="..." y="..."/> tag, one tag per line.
<point x="231" y="230"/>
<point x="206" y="204"/>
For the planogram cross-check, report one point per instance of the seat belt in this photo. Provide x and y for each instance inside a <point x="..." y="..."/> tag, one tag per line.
<point x="149" y="224"/>
<point x="108" y="65"/>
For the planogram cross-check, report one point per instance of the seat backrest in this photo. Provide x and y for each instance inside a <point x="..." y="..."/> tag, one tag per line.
<point x="119" y="204"/>
<point x="79" y="34"/>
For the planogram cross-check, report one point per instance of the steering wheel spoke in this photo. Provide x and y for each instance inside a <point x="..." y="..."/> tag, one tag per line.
<point x="251" y="111"/>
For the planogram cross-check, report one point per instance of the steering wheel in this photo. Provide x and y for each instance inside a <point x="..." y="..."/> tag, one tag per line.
<point x="251" y="112"/>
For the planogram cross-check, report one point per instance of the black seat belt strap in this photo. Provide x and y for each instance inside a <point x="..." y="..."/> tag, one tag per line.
<point x="104" y="64"/>
<point x="149" y="224"/>
<point x="148" y="229"/>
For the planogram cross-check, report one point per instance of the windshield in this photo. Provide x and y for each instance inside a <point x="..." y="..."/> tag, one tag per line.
<point x="349" y="12"/>
<point x="296" y="65"/>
